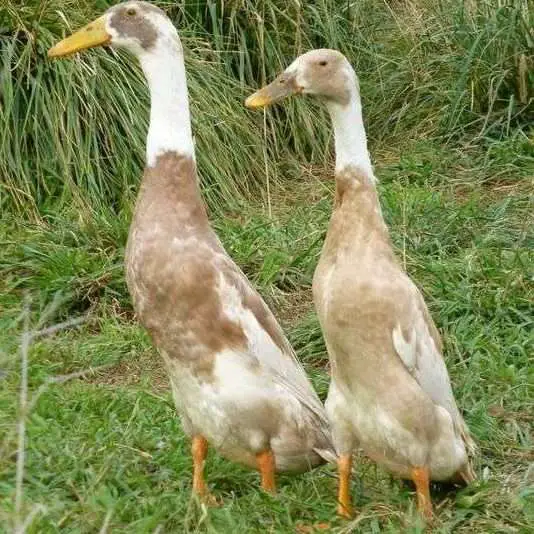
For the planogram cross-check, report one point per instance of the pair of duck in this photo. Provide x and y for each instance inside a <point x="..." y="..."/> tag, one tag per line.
<point x="236" y="381"/>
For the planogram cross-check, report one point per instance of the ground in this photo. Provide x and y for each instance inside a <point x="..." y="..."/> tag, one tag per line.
<point x="104" y="449"/>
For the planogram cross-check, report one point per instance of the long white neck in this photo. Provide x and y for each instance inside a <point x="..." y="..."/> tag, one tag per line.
<point x="349" y="133"/>
<point x="170" y="123"/>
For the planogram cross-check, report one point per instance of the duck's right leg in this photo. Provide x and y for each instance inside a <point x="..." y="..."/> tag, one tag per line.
<point x="266" y="466"/>
<point x="421" y="479"/>
<point x="344" y="467"/>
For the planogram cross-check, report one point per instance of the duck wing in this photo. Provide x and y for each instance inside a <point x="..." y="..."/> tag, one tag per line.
<point x="418" y="344"/>
<point x="268" y="345"/>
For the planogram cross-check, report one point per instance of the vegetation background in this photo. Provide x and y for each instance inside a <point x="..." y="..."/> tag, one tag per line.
<point x="448" y="90"/>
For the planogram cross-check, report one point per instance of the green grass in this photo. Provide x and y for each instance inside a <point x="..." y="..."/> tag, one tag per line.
<point x="447" y="90"/>
<point x="110" y="443"/>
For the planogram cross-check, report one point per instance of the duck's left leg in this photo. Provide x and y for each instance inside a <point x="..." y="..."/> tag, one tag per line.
<point x="266" y="466"/>
<point x="421" y="479"/>
<point x="199" y="448"/>
<point x="343" y="436"/>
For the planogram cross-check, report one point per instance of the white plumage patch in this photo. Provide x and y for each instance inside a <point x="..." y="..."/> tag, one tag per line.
<point x="259" y="341"/>
<point x="170" y="123"/>
<point x="406" y="349"/>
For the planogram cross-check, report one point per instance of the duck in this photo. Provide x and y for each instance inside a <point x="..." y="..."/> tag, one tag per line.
<point x="237" y="384"/>
<point x="390" y="392"/>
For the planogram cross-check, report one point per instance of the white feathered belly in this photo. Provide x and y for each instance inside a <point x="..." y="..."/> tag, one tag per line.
<point x="242" y="413"/>
<point x="383" y="438"/>
<point x="227" y="372"/>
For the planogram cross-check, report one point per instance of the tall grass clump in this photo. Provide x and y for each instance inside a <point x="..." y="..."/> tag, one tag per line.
<point x="454" y="69"/>
<point x="75" y="130"/>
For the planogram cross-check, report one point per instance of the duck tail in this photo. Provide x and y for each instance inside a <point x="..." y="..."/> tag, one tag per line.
<point x="324" y="444"/>
<point x="328" y="455"/>
<point x="467" y="474"/>
<point x="469" y="443"/>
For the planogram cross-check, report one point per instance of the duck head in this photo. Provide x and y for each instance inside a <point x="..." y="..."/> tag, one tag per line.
<point x="325" y="73"/>
<point x="135" y="26"/>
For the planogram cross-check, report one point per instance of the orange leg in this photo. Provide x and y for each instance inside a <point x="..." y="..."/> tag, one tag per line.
<point x="344" y="467"/>
<point x="266" y="465"/>
<point x="420" y="476"/>
<point x="199" y="448"/>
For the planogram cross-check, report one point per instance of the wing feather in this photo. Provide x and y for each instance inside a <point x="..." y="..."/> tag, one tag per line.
<point x="277" y="357"/>
<point x="421" y="353"/>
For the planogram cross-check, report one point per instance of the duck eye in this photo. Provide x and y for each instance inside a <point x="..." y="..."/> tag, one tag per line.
<point x="131" y="12"/>
<point x="323" y="63"/>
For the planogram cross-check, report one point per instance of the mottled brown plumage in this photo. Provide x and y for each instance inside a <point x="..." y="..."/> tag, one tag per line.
<point x="235" y="379"/>
<point x="390" y="391"/>
<point x="178" y="273"/>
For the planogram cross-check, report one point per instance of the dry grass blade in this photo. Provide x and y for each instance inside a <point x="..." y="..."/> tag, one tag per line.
<point x="23" y="399"/>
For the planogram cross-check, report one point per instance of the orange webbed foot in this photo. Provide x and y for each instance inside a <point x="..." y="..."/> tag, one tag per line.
<point x="421" y="478"/>
<point x="199" y="448"/>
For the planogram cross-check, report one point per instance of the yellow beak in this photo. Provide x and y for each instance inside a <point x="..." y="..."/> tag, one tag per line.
<point x="94" y="34"/>
<point x="282" y="87"/>
<point x="258" y="100"/>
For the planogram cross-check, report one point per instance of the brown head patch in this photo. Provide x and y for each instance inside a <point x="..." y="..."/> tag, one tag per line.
<point x="325" y="72"/>
<point x="130" y="22"/>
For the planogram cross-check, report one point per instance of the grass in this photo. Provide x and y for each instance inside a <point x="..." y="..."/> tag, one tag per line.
<point x="447" y="89"/>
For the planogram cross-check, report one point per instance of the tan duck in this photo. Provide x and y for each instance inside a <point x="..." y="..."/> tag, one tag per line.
<point x="390" y="391"/>
<point x="235" y="379"/>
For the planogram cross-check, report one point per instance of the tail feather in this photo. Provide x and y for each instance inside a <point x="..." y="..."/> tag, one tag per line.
<point x="329" y="455"/>
<point x="467" y="473"/>
<point x="470" y="444"/>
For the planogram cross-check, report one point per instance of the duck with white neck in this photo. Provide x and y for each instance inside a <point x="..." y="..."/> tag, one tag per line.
<point x="236" y="381"/>
<point x="390" y="391"/>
